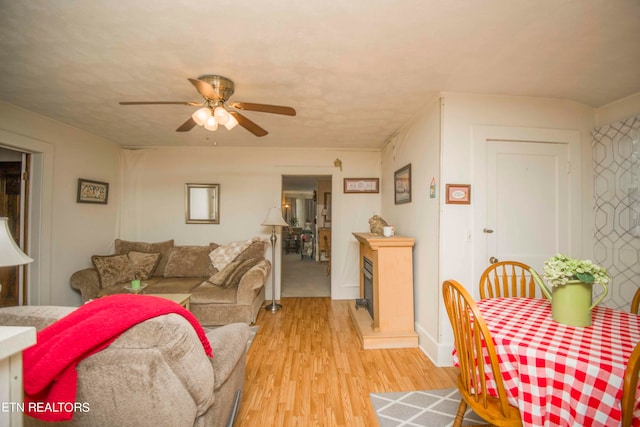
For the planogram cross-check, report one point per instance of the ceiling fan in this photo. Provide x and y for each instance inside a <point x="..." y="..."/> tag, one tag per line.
<point x="216" y="91"/>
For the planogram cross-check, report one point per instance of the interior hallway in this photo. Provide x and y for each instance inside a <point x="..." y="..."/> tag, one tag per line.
<point x="304" y="277"/>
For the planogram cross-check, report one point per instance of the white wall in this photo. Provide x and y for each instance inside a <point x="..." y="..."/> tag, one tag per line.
<point x="418" y="143"/>
<point x="64" y="234"/>
<point x="250" y="183"/>
<point x="460" y="113"/>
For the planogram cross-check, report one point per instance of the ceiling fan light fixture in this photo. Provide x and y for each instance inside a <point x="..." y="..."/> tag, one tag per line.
<point x="211" y="124"/>
<point x="222" y="116"/>
<point x="231" y="123"/>
<point x="216" y="91"/>
<point x="201" y="116"/>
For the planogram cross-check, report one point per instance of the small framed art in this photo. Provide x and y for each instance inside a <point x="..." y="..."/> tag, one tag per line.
<point x="459" y="194"/>
<point x="361" y="185"/>
<point x="92" y="191"/>
<point x="402" y="185"/>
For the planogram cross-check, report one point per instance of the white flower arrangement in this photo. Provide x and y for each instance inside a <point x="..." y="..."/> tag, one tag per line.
<point x="560" y="270"/>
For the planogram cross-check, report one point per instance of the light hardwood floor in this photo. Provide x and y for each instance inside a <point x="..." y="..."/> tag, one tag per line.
<point x="305" y="367"/>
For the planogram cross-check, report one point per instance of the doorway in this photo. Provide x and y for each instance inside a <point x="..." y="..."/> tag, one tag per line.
<point x="306" y="243"/>
<point x="14" y="166"/>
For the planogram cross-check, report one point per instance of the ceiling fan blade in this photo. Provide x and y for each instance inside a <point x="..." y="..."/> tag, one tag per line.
<point x="191" y="103"/>
<point x="248" y="124"/>
<point x="265" y="108"/>
<point x="204" y="88"/>
<point x="187" y="126"/>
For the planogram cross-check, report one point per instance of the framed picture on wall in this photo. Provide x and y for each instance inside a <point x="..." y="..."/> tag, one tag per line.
<point x="92" y="191"/>
<point x="459" y="194"/>
<point x="402" y="185"/>
<point x="361" y="185"/>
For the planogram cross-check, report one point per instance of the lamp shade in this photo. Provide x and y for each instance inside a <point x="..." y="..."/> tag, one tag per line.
<point x="231" y="123"/>
<point x="222" y="116"/>
<point x="201" y="116"/>
<point x="10" y="253"/>
<point x="211" y="124"/>
<point x="274" y="217"/>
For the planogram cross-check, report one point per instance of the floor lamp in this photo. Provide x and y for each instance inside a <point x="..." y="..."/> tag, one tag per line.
<point x="10" y="253"/>
<point x="274" y="219"/>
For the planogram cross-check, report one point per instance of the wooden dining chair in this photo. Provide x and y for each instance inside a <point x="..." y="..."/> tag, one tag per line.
<point x="635" y="302"/>
<point x="327" y="251"/>
<point x="507" y="279"/>
<point x="629" y="386"/>
<point x="471" y="335"/>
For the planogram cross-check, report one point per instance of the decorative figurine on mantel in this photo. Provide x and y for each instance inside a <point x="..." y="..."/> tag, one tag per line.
<point x="377" y="224"/>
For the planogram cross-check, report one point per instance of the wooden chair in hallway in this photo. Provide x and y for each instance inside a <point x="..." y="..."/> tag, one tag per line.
<point x="327" y="250"/>
<point x="507" y="279"/>
<point x="471" y="335"/>
<point x="635" y="303"/>
<point x="630" y="386"/>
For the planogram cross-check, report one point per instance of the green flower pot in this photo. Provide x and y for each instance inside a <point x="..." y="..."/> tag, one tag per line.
<point x="571" y="304"/>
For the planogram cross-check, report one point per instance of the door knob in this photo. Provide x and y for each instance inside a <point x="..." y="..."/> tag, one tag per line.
<point x="493" y="260"/>
<point x="487" y="230"/>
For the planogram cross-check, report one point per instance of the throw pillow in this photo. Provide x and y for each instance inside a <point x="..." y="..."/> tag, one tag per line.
<point x="144" y="264"/>
<point x="163" y="248"/>
<point x="125" y="246"/>
<point x="255" y="250"/>
<point x="113" y="269"/>
<point x="224" y="254"/>
<point x="221" y="277"/>
<point x="231" y="275"/>
<point x="188" y="261"/>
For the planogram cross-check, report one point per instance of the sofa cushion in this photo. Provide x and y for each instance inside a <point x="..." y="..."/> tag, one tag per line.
<point x="255" y="250"/>
<point x="163" y="248"/>
<point x="173" y="285"/>
<point x="230" y="276"/>
<point x="144" y="264"/>
<point x="208" y="293"/>
<point x="113" y="269"/>
<point x="189" y="261"/>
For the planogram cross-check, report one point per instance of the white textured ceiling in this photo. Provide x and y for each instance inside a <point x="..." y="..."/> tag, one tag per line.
<point x="355" y="70"/>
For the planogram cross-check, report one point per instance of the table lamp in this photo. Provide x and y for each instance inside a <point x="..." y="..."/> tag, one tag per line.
<point x="274" y="219"/>
<point x="10" y="253"/>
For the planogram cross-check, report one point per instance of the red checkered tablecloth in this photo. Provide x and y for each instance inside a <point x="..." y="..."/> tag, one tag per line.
<point x="561" y="375"/>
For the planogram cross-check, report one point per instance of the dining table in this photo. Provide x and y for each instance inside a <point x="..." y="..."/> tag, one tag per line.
<point x="559" y="375"/>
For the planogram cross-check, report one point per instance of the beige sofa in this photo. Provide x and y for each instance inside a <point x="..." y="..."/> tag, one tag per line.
<point x="233" y="293"/>
<point x="154" y="374"/>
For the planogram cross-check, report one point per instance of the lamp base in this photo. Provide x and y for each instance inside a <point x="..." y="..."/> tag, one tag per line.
<point x="273" y="307"/>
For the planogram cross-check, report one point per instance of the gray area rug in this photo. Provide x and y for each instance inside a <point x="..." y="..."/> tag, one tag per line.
<point x="426" y="408"/>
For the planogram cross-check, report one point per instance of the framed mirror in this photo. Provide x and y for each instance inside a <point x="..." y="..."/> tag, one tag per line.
<point x="202" y="203"/>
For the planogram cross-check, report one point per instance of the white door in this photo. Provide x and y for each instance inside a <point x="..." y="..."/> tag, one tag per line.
<point x="527" y="202"/>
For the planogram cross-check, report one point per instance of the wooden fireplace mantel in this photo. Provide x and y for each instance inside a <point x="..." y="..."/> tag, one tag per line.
<point x="392" y="325"/>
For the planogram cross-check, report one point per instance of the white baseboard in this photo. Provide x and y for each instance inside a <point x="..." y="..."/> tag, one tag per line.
<point x="440" y="354"/>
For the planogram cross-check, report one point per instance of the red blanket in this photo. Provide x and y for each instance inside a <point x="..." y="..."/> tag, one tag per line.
<point x="50" y="375"/>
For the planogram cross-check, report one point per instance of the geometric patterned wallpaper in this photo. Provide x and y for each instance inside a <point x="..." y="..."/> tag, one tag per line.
<point x="616" y="163"/>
